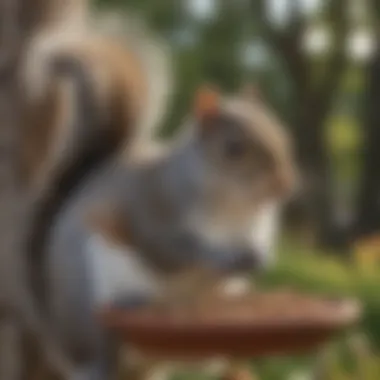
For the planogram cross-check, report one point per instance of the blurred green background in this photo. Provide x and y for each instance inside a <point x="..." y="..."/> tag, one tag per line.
<point x="316" y="62"/>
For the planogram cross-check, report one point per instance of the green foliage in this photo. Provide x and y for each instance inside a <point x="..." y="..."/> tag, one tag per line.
<point x="344" y="141"/>
<point x="317" y="273"/>
<point x="343" y="134"/>
<point x="163" y="16"/>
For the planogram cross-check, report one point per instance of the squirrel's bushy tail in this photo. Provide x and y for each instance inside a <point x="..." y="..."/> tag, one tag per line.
<point x="89" y="142"/>
<point x="155" y="57"/>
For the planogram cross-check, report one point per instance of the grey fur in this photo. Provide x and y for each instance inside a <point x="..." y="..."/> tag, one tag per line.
<point x="166" y="241"/>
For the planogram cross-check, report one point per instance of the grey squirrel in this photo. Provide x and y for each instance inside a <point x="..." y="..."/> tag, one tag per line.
<point x="67" y="259"/>
<point x="88" y="93"/>
<point x="148" y="219"/>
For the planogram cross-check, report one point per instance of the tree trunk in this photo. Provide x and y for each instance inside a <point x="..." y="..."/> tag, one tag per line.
<point x="367" y="220"/>
<point x="17" y="17"/>
<point x="314" y="207"/>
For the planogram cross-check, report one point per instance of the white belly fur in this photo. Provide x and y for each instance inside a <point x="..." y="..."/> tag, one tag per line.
<point x="265" y="230"/>
<point x="118" y="272"/>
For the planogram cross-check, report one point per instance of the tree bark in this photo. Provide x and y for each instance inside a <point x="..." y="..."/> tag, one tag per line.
<point x="313" y="157"/>
<point x="17" y="18"/>
<point x="367" y="219"/>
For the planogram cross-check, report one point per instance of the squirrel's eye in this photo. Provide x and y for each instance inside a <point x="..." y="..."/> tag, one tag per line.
<point x="235" y="149"/>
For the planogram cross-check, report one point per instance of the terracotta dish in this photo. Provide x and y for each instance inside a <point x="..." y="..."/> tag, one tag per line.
<point x="280" y="323"/>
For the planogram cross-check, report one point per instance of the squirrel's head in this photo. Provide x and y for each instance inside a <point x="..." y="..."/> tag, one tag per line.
<point x="244" y="144"/>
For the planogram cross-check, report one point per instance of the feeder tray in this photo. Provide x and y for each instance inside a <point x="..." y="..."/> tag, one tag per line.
<point x="262" y="324"/>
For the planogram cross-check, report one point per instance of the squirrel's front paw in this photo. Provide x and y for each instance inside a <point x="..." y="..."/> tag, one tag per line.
<point x="131" y="302"/>
<point x="239" y="260"/>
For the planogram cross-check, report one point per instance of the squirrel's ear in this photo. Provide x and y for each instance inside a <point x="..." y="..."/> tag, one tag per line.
<point x="251" y="92"/>
<point x="207" y="102"/>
